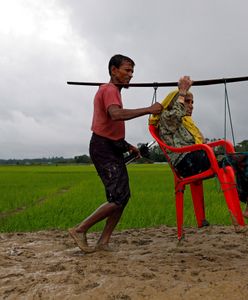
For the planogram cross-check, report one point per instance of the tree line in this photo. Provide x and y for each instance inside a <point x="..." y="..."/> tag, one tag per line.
<point x="155" y="155"/>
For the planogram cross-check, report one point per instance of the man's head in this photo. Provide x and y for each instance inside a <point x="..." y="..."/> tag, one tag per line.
<point x="121" y="69"/>
<point x="188" y="102"/>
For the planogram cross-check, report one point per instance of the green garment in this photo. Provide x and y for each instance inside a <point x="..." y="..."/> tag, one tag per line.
<point x="172" y="130"/>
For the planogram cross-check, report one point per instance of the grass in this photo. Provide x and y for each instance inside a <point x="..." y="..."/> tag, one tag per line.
<point x="46" y="197"/>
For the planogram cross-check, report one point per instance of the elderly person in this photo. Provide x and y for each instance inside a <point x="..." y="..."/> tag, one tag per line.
<point x="177" y="129"/>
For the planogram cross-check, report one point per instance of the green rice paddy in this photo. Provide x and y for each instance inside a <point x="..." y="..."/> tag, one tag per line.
<point x="47" y="197"/>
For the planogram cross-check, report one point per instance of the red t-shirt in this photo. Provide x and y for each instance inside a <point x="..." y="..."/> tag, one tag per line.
<point x="102" y="124"/>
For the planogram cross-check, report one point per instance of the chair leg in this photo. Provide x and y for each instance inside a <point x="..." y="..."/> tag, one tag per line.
<point x="179" y="190"/>
<point x="198" y="201"/>
<point x="228" y="185"/>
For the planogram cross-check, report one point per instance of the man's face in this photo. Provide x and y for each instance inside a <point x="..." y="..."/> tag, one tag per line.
<point x="188" y="102"/>
<point x="123" y="74"/>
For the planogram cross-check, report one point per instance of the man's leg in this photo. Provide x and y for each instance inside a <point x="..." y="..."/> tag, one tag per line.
<point x="102" y="212"/>
<point x="110" y="225"/>
<point x="79" y="232"/>
<point x="112" y="170"/>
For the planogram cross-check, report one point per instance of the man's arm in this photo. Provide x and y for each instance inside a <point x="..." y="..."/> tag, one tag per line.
<point x="117" y="113"/>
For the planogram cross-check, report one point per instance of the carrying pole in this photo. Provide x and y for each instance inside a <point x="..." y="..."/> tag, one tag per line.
<point x="158" y="84"/>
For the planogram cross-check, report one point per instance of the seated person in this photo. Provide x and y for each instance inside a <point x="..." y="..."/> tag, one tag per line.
<point x="177" y="129"/>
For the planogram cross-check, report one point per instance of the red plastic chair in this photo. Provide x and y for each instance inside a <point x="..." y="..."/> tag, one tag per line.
<point x="225" y="175"/>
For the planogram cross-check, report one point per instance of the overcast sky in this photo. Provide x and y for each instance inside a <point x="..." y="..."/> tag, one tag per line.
<point x="45" y="43"/>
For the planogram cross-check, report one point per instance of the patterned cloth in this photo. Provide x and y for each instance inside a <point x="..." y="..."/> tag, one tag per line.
<point x="193" y="163"/>
<point x="173" y="131"/>
<point x="239" y="162"/>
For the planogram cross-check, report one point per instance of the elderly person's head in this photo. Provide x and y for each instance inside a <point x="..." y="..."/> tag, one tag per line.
<point x="188" y="102"/>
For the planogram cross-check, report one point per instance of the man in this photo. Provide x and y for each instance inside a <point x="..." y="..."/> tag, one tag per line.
<point x="107" y="146"/>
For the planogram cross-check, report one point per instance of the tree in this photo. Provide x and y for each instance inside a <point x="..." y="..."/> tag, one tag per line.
<point x="242" y="146"/>
<point x="156" y="154"/>
<point x="82" y="159"/>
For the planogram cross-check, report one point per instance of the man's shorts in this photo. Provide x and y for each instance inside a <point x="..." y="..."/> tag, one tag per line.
<point x="110" y="166"/>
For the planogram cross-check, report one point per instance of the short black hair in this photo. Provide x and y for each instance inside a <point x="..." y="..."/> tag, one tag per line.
<point x="117" y="61"/>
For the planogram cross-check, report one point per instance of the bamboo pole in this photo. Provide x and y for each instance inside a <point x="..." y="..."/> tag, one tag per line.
<point x="161" y="84"/>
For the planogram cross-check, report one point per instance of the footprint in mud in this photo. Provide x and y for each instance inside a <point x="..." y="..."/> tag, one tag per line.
<point x="91" y="286"/>
<point x="142" y="241"/>
<point x="56" y="268"/>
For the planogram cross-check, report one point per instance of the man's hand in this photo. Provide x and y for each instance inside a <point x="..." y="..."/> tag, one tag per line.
<point x="156" y="108"/>
<point x="134" y="150"/>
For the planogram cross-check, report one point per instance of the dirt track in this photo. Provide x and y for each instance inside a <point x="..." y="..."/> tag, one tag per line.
<point x="211" y="263"/>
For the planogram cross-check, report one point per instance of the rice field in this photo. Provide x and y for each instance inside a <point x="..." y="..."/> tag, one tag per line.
<point x="47" y="197"/>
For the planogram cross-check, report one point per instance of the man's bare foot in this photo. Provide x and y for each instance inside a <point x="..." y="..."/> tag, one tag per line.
<point x="81" y="240"/>
<point x="104" y="247"/>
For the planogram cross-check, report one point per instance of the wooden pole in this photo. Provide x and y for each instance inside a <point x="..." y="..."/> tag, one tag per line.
<point x="158" y="84"/>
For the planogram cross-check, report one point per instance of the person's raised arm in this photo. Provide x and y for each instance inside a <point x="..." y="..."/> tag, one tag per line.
<point x="117" y="113"/>
<point x="184" y="85"/>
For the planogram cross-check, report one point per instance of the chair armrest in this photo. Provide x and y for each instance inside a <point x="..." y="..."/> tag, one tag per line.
<point x="205" y="147"/>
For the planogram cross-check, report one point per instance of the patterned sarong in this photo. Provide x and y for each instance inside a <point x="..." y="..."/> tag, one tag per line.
<point x="239" y="162"/>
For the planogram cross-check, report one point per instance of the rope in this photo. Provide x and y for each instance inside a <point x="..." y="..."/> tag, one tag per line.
<point x="154" y="97"/>
<point x="225" y="121"/>
<point x="227" y="106"/>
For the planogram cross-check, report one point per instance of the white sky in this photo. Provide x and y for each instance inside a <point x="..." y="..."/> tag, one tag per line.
<point x="45" y="43"/>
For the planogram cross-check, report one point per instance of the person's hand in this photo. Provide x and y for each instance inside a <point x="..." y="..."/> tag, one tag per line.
<point x="134" y="150"/>
<point x="156" y="108"/>
<point x="184" y="84"/>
